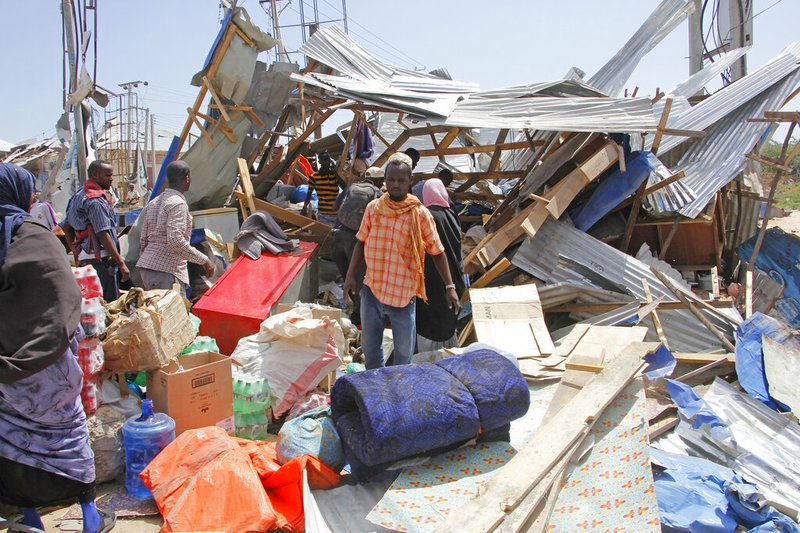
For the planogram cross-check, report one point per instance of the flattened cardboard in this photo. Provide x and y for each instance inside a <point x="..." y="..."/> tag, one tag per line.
<point x="196" y="391"/>
<point x="511" y="319"/>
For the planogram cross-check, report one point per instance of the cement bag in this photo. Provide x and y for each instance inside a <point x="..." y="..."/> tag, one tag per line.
<point x="314" y="434"/>
<point x="293" y="351"/>
<point x="204" y="481"/>
<point x="148" y="329"/>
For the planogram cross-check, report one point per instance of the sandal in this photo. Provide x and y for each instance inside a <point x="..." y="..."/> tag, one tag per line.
<point x="107" y="521"/>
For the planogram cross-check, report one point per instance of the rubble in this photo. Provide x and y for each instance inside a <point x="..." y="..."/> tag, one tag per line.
<point x="611" y="242"/>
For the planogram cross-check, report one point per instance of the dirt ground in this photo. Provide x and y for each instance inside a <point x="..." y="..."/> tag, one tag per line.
<point x="789" y="223"/>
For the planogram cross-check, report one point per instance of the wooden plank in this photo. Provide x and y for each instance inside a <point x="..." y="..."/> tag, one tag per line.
<point x="247" y="185"/>
<point x="488" y="277"/>
<point x="702" y="358"/>
<point x="654" y="314"/>
<point x="748" y="293"/>
<point x="662" y="123"/>
<point x="478" y="149"/>
<point x="671" y="235"/>
<point x="494" y="164"/>
<point x="319" y="229"/>
<point x="579" y="178"/>
<point x="554" y="438"/>
<point x="346" y="147"/>
<point x="585" y="367"/>
<point x="600" y="307"/>
<point x="215" y="96"/>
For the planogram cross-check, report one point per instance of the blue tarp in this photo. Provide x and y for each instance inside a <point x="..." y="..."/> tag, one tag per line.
<point x="169" y="157"/>
<point x="613" y="189"/>
<point x="660" y="364"/>
<point x="697" y="495"/>
<point x="697" y="411"/>
<point x="750" y="356"/>
<point x="388" y="414"/>
<point x="778" y="258"/>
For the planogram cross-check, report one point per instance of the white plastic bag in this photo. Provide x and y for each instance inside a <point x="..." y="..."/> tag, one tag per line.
<point x="293" y="351"/>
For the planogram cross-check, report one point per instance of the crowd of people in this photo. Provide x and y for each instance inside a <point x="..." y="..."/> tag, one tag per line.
<point x="397" y="249"/>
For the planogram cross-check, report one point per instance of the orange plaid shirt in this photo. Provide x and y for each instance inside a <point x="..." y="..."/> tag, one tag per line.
<point x="388" y="251"/>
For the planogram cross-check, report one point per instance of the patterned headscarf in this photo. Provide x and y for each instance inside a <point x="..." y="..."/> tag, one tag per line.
<point x="16" y="188"/>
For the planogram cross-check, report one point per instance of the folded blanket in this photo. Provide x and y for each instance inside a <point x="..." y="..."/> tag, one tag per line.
<point x="260" y="233"/>
<point x="394" y="413"/>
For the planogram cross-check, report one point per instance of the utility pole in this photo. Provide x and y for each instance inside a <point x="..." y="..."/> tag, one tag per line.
<point x="77" y="110"/>
<point x="695" y="39"/>
<point x="740" y="33"/>
<point x="129" y="123"/>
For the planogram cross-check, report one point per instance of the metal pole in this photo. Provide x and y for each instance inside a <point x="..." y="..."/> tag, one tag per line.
<point x="147" y="134"/>
<point x="344" y="13"/>
<point x="741" y="34"/>
<point x="152" y="150"/>
<point x="695" y="38"/>
<point x="77" y="112"/>
<point x="277" y="29"/>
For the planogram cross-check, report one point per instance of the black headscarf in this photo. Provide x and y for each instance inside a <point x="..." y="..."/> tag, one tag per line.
<point x="16" y="189"/>
<point x="40" y="302"/>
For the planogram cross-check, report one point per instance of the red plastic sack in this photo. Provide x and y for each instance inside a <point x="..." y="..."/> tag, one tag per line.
<point x="284" y="484"/>
<point x="204" y="481"/>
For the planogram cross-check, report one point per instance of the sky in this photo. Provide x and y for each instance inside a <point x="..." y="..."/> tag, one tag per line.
<point x="495" y="44"/>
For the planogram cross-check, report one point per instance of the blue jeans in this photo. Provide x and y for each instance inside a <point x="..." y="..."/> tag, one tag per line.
<point x="404" y="329"/>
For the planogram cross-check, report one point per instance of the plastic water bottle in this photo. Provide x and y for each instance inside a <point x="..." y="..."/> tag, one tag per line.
<point x="144" y="437"/>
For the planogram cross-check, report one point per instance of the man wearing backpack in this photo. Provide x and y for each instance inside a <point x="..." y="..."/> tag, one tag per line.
<point x="351" y="205"/>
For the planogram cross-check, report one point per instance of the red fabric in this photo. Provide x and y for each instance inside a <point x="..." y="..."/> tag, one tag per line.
<point x="305" y="166"/>
<point x="92" y="190"/>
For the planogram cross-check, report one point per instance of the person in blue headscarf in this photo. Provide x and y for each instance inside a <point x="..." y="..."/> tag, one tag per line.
<point x="45" y="455"/>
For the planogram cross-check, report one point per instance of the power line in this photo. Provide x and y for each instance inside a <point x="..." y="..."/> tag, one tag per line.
<point x="413" y="60"/>
<point x="768" y="8"/>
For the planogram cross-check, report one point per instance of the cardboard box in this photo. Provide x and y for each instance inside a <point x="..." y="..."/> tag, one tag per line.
<point x="196" y="391"/>
<point x="151" y="337"/>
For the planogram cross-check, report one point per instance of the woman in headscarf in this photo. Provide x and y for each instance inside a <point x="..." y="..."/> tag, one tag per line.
<point x="45" y="456"/>
<point x="436" y="322"/>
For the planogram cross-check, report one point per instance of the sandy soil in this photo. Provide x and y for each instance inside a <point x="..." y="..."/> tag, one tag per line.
<point x="790" y="223"/>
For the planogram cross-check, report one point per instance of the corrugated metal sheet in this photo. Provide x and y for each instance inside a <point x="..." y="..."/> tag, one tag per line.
<point x="728" y="99"/>
<point x="561" y="253"/>
<point x="612" y="77"/>
<point x="718" y="158"/>
<point x="561" y="105"/>
<point x="555" y="114"/>
<point x="763" y="449"/>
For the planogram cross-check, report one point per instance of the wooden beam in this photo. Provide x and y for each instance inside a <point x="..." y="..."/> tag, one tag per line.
<point x="488" y="277"/>
<point x="600" y="307"/>
<point x="654" y="314"/>
<point x="247" y="185"/>
<point x="203" y="131"/>
<point x="671" y="235"/>
<point x="346" y="147"/>
<point x="449" y="137"/>
<point x="372" y="128"/>
<point x="549" y="445"/>
<point x="216" y="98"/>
<point x="320" y="231"/>
<point x="494" y="164"/>
<point x="661" y="125"/>
<point x="461" y="150"/>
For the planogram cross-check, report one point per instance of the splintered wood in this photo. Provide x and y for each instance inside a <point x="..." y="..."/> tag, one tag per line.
<point x="554" y="442"/>
<point x="511" y="319"/>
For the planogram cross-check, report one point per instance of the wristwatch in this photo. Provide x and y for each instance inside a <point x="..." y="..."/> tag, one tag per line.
<point x="451" y="286"/>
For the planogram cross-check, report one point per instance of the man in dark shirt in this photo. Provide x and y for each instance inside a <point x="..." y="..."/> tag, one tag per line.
<point x="326" y="183"/>
<point x="91" y="229"/>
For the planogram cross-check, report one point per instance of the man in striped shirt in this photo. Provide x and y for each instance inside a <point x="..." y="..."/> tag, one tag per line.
<point x="395" y="234"/>
<point x="326" y="183"/>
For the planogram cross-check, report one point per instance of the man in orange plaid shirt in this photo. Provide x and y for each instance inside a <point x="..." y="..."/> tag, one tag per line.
<point x="395" y="234"/>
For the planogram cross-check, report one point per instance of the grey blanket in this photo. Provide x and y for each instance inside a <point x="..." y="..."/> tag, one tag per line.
<point x="260" y="233"/>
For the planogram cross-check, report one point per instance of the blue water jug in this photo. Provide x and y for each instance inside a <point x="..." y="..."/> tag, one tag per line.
<point x="144" y="437"/>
